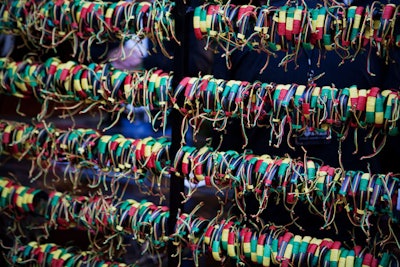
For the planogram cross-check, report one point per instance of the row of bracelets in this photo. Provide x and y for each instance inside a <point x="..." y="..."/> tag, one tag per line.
<point x="327" y="190"/>
<point x="143" y="221"/>
<point x="297" y="108"/>
<point x="300" y="109"/>
<point x="229" y="237"/>
<point x="87" y="147"/>
<point x="346" y="30"/>
<point x="336" y="27"/>
<point x="244" y="172"/>
<point x="51" y="254"/>
<point x="46" y="24"/>
<point x="258" y="248"/>
<point x="94" y="85"/>
<point x="275" y="246"/>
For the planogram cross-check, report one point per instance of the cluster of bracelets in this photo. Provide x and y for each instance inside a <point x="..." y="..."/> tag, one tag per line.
<point x="96" y="213"/>
<point x="20" y="140"/>
<point x="99" y="215"/>
<point x="361" y="194"/>
<point x="22" y="199"/>
<point x="144" y="221"/>
<point x="344" y="29"/>
<point x="114" y="153"/>
<point x="268" y="245"/>
<point x="94" y="85"/>
<point x="300" y="109"/>
<point x="275" y="246"/>
<point x="46" y="24"/>
<point x="326" y="189"/>
<point x="368" y="200"/>
<point x="329" y="27"/>
<point x="245" y="172"/>
<point x="51" y="254"/>
<point x="217" y="100"/>
<point x="106" y="155"/>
